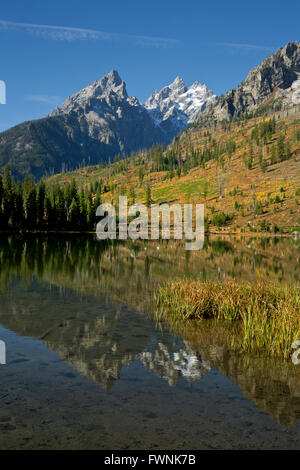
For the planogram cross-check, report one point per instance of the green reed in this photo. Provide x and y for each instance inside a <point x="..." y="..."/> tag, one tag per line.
<point x="269" y="314"/>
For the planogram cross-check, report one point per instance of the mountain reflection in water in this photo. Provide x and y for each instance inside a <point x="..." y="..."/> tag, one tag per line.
<point x="91" y="303"/>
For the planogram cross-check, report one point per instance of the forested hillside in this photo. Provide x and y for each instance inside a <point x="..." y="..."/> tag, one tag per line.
<point x="246" y="172"/>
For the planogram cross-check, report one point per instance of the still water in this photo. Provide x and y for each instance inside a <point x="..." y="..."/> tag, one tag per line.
<point x="88" y="366"/>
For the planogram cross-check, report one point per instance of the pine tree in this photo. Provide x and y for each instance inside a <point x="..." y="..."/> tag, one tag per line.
<point x="7" y="199"/>
<point x="281" y="148"/>
<point x="30" y="208"/>
<point x="82" y="209"/>
<point x="41" y="195"/>
<point x="18" y="209"/>
<point x="73" y="190"/>
<point x="74" y="214"/>
<point x="263" y="165"/>
<point x="288" y="153"/>
<point x="250" y="157"/>
<point x="141" y="176"/>
<point x="273" y="155"/>
<point x="148" y="195"/>
<point x="131" y="195"/>
<point x="60" y="210"/>
<point x="49" y="212"/>
<point x="1" y="189"/>
<point x="89" y="210"/>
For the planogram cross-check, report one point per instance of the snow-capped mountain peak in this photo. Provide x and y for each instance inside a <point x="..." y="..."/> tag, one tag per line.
<point x="167" y="94"/>
<point x="178" y="103"/>
<point x="178" y="86"/>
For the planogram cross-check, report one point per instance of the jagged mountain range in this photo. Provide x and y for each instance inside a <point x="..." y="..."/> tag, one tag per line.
<point x="101" y="120"/>
<point x="277" y="77"/>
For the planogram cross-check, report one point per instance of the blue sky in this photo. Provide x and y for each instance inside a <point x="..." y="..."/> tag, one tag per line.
<point x="51" y="49"/>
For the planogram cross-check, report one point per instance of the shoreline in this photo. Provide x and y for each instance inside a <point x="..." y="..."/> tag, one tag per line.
<point x="207" y="234"/>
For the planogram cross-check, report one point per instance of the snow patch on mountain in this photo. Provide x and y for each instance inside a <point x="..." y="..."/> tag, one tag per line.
<point x="291" y="95"/>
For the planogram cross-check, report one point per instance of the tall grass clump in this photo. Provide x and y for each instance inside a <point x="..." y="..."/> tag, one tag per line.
<point x="269" y="314"/>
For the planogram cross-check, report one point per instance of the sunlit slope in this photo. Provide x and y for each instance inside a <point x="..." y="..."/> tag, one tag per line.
<point x="247" y="173"/>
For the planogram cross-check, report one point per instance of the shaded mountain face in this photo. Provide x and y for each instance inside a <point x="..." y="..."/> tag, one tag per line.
<point x="109" y="116"/>
<point x="97" y="123"/>
<point x="277" y="76"/>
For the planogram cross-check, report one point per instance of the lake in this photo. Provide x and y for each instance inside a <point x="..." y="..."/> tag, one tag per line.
<point x="90" y="367"/>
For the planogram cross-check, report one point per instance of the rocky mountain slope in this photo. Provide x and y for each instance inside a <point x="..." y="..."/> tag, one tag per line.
<point x="277" y="78"/>
<point x="97" y="123"/>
